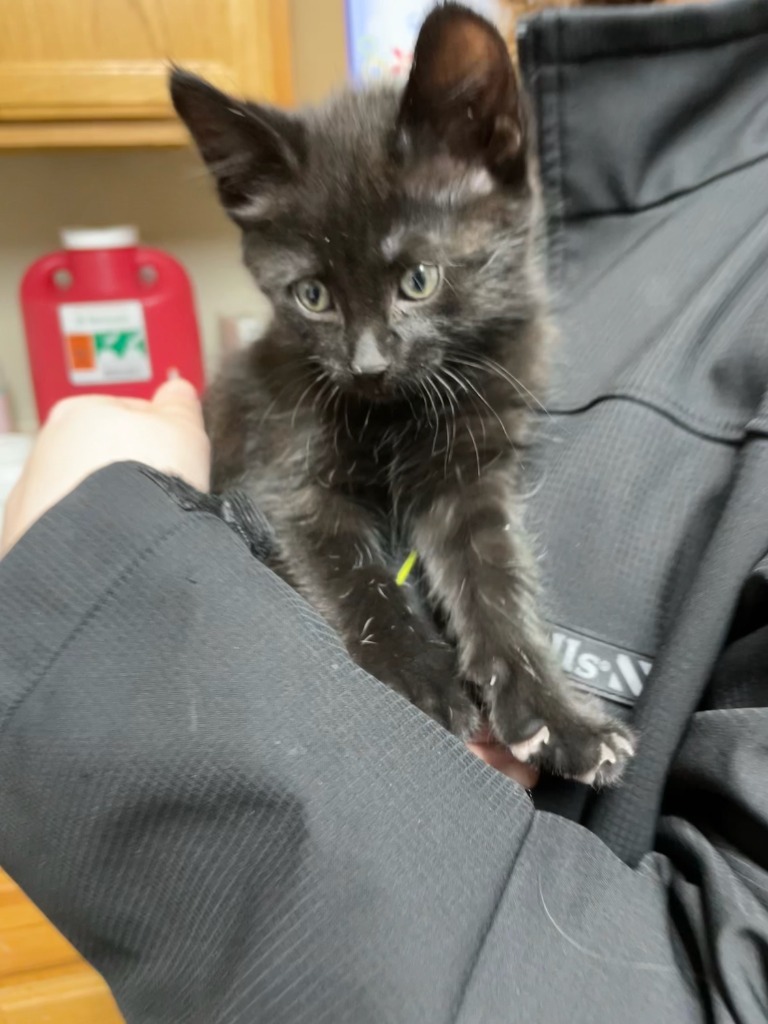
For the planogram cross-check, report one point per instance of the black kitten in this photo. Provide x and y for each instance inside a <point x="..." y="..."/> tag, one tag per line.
<point x="395" y="234"/>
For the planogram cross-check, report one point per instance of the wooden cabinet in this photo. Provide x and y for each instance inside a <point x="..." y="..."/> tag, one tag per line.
<point x="93" y="72"/>
<point x="42" y="978"/>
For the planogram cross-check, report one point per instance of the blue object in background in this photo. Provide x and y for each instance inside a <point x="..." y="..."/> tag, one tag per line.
<point x="381" y="33"/>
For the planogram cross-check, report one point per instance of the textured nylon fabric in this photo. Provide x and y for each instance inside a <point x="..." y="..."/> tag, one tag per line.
<point x="654" y="136"/>
<point x="218" y="747"/>
<point x="235" y="824"/>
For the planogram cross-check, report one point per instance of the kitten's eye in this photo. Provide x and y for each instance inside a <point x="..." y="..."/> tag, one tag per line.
<point x="420" y="282"/>
<point x="313" y="295"/>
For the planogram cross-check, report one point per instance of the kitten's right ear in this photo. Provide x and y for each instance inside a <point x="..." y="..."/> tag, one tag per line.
<point x="462" y="96"/>
<point x="250" y="150"/>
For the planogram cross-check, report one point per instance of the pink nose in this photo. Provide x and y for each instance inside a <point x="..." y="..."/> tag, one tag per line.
<point x="367" y="359"/>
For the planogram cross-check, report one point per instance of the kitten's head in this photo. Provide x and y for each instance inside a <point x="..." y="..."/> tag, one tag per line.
<point x="391" y="229"/>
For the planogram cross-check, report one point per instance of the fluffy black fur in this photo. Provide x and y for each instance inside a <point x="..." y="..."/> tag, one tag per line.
<point x="377" y="416"/>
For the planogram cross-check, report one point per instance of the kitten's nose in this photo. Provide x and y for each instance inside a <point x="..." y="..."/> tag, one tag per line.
<point x="367" y="359"/>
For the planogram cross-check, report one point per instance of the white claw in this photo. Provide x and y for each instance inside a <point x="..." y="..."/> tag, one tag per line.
<point x="525" y="750"/>
<point x="623" y="745"/>
<point x="607" y="756"/>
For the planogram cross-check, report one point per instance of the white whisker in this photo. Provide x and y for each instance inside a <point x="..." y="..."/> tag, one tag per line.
<point x="429" y="389"/>
<point x="486" y="363"/>
<point x="304" y="393"/>
<point x="482" y="398"/>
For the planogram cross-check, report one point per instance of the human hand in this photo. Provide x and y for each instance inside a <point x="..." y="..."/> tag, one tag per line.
<point x="498" y="756"/>
<point x="83" y="435"/>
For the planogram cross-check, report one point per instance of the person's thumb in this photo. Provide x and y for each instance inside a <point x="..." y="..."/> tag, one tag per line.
<point x="179" y="398"/>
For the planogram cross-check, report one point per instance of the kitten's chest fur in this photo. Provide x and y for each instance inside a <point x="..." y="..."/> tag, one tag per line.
<point x="283" y="436"/>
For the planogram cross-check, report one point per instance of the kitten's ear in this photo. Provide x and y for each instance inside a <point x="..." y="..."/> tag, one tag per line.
<point x="462" y="97"/>
<point x="250" y="150"/>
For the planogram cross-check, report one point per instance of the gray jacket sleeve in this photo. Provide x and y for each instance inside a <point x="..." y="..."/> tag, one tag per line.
<point x="234" y="823"/>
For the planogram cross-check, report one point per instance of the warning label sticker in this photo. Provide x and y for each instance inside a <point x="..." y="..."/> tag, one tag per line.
<point x="105" y="342"/>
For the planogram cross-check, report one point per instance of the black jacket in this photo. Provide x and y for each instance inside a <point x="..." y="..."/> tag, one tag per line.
<point x="236" y="824"/>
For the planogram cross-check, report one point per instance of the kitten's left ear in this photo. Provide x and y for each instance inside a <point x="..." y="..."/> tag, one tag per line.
<point x="251" y="151"/>
<point x="462" y="96"/>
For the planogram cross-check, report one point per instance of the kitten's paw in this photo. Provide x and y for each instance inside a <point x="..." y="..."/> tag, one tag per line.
<point x="613" y="757"/>
<point x="543" y="722"/>
<point x="581" y="744"/>
<point x="432" y="683"/>
<point x="596" y="755"/>
<point x="528" y="749"/>
<point x="449" y="705"/>
<point x="428" y="677"/>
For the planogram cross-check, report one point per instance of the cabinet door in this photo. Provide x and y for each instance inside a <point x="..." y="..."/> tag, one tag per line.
<point x="72" y="60"/>
<point x="42" y="978"/>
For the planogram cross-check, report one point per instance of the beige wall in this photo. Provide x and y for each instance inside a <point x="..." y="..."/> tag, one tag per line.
<point x="163" y="192"/>
<point x="319" y="47"/>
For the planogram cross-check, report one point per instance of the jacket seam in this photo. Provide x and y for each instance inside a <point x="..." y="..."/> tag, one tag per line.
<point x="561" y="164"/>
<point x="678" y="415"/>
<point x="490" y="923"/>
<point x="629" y="211"/>
<point x="659" y="50"/>
<point x="550" y="143"/>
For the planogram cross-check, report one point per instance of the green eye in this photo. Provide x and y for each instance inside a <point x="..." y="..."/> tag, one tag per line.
<point x="312" y="295"/>
<point x="420" y="282"/>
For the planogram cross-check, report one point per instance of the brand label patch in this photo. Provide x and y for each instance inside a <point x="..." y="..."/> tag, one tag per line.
<point x="607" y="671"/>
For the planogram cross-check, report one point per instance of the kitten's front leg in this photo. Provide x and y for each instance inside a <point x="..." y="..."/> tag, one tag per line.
<point x="482" y="573"/>
<point x="331" y="552"/>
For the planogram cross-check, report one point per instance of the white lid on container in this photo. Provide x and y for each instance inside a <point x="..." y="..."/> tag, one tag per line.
<point x="123" y="237"/>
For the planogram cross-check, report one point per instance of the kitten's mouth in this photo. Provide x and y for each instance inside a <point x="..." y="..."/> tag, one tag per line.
<point x="374" y="389"/>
